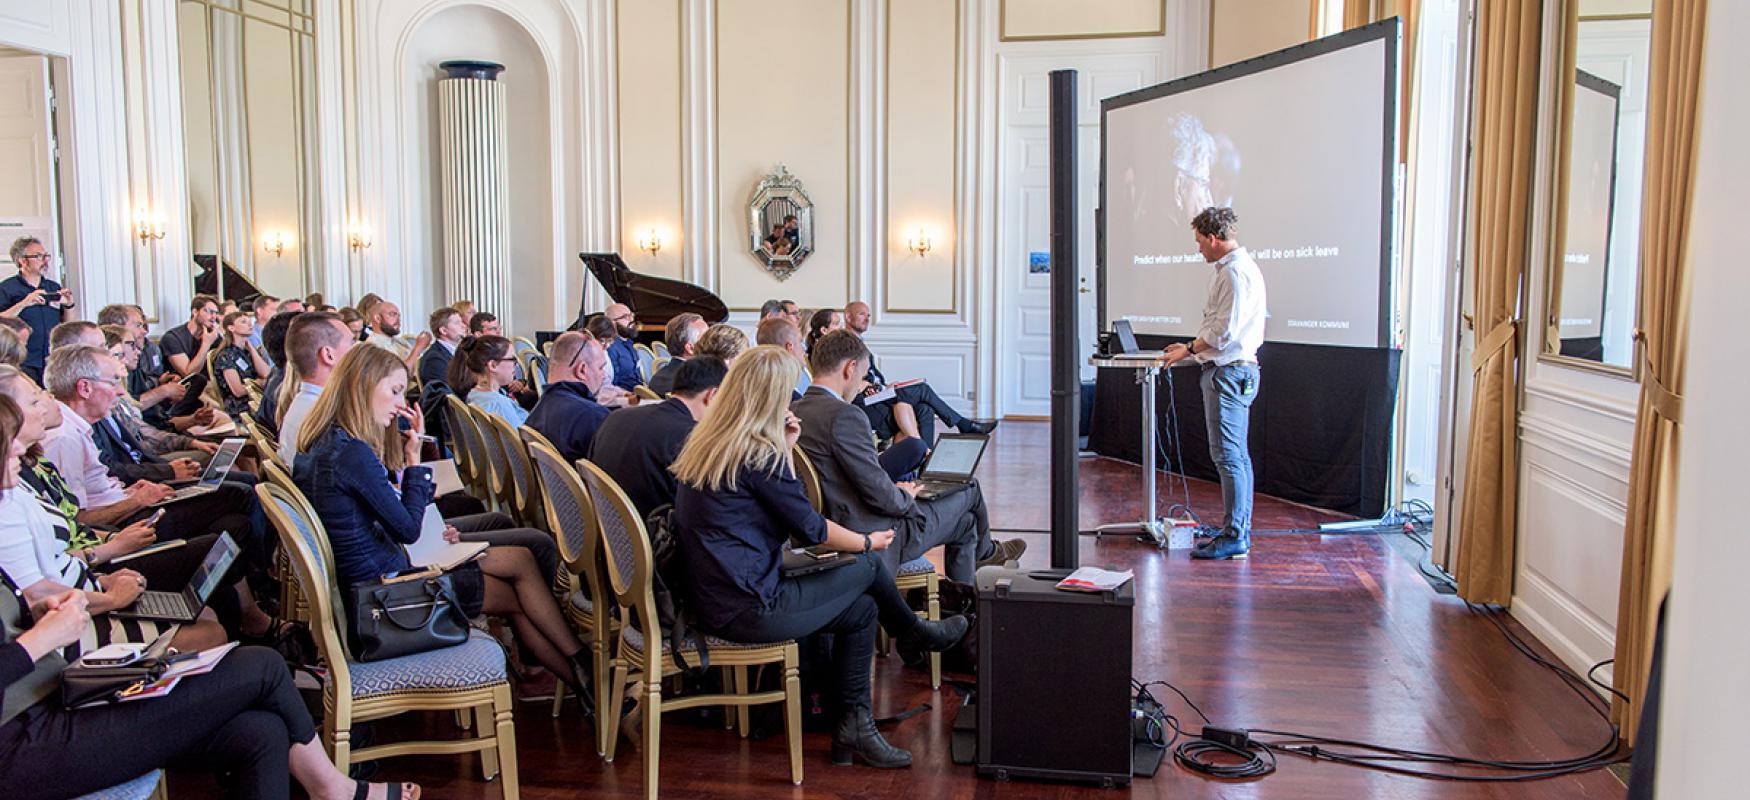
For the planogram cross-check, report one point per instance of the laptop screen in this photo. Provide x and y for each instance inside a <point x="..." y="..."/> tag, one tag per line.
<point x="955" y="457"/>
<point x="220" y="466"/>
<point x="213" y="569"/>
<point x="1126" y="337"/>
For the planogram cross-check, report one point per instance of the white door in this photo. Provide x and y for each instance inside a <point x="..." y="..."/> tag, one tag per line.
<point x="27" y="155"/>
<point x="1023" y="326"/>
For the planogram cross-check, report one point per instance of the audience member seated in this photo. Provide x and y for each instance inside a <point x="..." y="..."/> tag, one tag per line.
<point x="858" y="489"/>
<point x="243" y="722"/>
<point x="273" y="344"/>
<point x="85" y="381"/>
<point x="34" y="298"/>
<point x="778" y="332"/>
<point x="621" y="354"/>
<point x="263" y="307"/>
<point x="466" y="309"/>
<point x="360" y="470"/>
<point x="568" y="414"/>
<point x="482" y="368"/>
<point x="367" y="308"/>
<point x="149" y="380"/>
<point x="738" y="504"/>
<point x="314" y="346"/>
<point x="293" y="305"/>
<point x="922" y="399"/>
<point x="722" y="340"/>
<point x="238" y="362"/>
<point x="168" y="445"/>
<point x="235" y="608"/>
<point x="448" y="328"/>
<point x="486" y="324"/>
<point x="354" y="321"/>
<point x="680" y="335"/>
<point x="385" y="322"/>
<point x="823" y="322"/>
<point x="635" y="446"/>
<point x="185" y="348"/>
<point x="37" y="549"/>
<point x="120" y="431"/>
<point x="12" y="348"/>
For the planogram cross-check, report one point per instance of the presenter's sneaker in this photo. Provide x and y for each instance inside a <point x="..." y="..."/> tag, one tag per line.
<point x="974" y="426"/>
<point x="1003" y="552"/>
<point x="857" y="739"/>
<point x="1224" y="547"/>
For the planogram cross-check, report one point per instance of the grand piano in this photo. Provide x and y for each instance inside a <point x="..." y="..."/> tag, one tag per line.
<point x="238" y="288"/>
<point x="653" y="300"/>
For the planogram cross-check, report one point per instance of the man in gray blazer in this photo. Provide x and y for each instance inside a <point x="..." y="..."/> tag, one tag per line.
<point x="855" y="490"/>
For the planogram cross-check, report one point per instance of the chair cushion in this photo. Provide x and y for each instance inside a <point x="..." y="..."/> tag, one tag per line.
<point x="474" y="663"/>
<point x="137" y="789"/>
<point x="635" y="640"/>
<point x="916" y="566"/>
<point x="581" y="602"/>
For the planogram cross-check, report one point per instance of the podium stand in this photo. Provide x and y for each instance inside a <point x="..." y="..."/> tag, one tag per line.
<point x="1147" y="367"/>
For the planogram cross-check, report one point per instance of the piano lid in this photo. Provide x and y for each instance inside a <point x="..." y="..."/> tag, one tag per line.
<point x="238" y="289"/>
<point x="653" y="300"/>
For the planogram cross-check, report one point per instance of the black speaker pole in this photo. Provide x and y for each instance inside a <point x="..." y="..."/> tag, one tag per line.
<point x="1066" y="374"/>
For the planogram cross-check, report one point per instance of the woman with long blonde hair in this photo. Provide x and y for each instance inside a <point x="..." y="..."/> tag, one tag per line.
<point x="738" y="503"/>
<point x="358" y="463"/>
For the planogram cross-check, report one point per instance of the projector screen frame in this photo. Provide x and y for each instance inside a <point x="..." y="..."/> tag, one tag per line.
<point x="1391" y="32"/>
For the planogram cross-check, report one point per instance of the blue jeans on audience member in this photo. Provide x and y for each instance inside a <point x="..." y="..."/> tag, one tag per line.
<point x="1228" y="392"/>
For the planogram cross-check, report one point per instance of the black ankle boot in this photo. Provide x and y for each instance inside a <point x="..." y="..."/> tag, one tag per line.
<point x="934" y="637"/>
<point x="857" y="738"/>
<point x="581" y="680"/>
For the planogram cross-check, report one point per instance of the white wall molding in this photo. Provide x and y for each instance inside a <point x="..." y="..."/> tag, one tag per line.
<point x="1581" y="446"/>
<point x="1580" y="639"/>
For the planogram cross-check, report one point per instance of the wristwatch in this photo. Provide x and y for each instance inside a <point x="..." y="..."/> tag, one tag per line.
<point x="868" y="543"/>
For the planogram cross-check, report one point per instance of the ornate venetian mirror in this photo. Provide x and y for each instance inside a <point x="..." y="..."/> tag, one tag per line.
<point x="780" y="221"/>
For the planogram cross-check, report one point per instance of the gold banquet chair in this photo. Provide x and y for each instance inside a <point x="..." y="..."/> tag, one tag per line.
<point x="473" y="465"/>
<point x="640" y="663"/>
<point x="467" y="677"/>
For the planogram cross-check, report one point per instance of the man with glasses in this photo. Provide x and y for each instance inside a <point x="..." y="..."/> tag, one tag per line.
<point x="32" y="296"/>
<point x="568" y="414"/>
<point x="622" y="356"/>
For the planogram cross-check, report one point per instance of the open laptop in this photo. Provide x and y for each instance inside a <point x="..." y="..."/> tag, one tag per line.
<point x="951" y="464"/>
<point x="186" y="605"/>
<point x="217" y="469"/>
<point x="1127" y="346"/>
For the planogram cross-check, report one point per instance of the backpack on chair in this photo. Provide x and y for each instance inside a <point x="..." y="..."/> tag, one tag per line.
<point x="674" y="610"/>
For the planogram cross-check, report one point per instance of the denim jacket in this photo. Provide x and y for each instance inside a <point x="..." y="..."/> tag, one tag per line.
<point x="368" y="520"/>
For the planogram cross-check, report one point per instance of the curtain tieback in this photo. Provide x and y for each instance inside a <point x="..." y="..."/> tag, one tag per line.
<point x="1498" y="337"/>
<point x="1666" y="403"/>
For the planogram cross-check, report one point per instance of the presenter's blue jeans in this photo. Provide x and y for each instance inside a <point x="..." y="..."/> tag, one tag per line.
<point x="1228" y="392"/>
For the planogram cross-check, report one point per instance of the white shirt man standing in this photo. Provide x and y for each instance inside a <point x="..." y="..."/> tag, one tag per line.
<point x="1227" y="346"/>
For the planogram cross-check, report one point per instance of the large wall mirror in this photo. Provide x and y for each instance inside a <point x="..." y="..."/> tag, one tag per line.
<point x="249" y="116"/>
<point x="1594" y="270"/>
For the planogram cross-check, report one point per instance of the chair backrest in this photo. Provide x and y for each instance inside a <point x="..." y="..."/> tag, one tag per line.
<point x="471" y="462"/>
<point x="570" y="514"/>
<point x="213" y="392"/>
<point x="520" y="487"/>
<point x="660" y="349"/>
<point x="521" y="344"/>
<point x="306" y="546"/>
<point x="645" y="393"/>
<point x="646" y="360"/>
<point x="547" y="348"/>
<point x="810" y="477"/>
<point x="501" y="484"/>
<point x="625" y="546"/>
<point x="534" y="366"/>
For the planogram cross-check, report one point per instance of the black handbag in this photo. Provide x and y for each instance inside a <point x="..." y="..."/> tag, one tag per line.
<point x="403" y="616"/>
<point x="87" y="685"/>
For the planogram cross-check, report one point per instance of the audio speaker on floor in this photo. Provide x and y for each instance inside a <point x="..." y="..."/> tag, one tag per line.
<point x="1054" y="696"/>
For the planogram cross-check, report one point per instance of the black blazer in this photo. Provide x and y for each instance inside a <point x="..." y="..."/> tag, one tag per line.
<point x="855" y="491"/>
<point x="663" y="381"/>
<point x="636" y="445"/>
<point x="115" y="453"/>
<point x="434" y="366"/>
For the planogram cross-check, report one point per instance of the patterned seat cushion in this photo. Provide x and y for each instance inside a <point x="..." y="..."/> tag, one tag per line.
<point x="475" y="663"/>
<point x="635" y="640"/>
<point x="916" y="566"/>
<point x="581" y="602"/>
<point x="137" y="789"/>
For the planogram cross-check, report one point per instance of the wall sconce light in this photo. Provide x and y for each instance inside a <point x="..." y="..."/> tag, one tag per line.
<point x="148" y="226"/>
<point x="359" y="239"/>
<point x="650" y="242"/>
<point x="274" y="243"/>
<point x="919" y="243"/>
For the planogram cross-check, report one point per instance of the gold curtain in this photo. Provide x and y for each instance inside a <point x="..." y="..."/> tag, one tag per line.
<point x="1674" y="83"/>
<point x="1503" y="113"/>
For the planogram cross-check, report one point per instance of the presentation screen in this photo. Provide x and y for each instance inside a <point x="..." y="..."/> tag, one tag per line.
<point x="1302" y="145"/>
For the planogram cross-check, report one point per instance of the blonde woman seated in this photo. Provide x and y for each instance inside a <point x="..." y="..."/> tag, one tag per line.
<point x="737" y="505"/>
<point x="479" y="372"/>
<point x="722" y="340"/>
<point x="358" y="463"/>
<point x="34" y="545"/>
